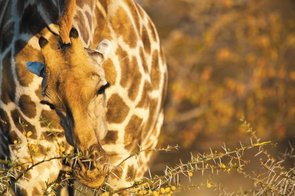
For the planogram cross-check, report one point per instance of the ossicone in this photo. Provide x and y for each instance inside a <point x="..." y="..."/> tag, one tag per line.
<point x="74" y="33"/>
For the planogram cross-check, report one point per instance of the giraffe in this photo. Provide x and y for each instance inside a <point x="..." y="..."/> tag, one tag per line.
<point x="39" y="51"/>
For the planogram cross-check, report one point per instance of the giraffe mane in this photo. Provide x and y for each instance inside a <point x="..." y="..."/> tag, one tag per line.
<point x="66" y="21"/>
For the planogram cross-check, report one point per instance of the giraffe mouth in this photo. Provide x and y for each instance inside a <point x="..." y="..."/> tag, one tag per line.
<point x="92" y="168"/>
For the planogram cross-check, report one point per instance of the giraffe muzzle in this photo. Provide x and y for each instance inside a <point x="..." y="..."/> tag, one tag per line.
<point x="92" y="168"/>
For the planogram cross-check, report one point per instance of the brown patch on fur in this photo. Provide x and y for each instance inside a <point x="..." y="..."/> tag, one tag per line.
<point x="23" y="125"/>
<point x="82" y="23"/>
<point x="39" y="151"/>
<point x="49" y="119"/>
<point x="27" y="106"/>
<point x="122" y="26"/>
<point x="110" y="71"/>
<point x="132" y="132"/>
<point x="151" y="119"/>
<point x="110" y="138"/>
<point x="52" y="135"/>
<point x="117" y="173"/>
<point x="101" y="29"/>
<point x="38" y="92"/>
<point x="135" y="80"/>
<point x="117" y="109"/>
<point x="146" y="40"/>
<point x="143" y="60"/>
<point x="28" y="53"/>
<point x="153" y="30"/>
<point x="144" y="102"/>
<point x="155" y="71"/>
<point x="80" y="3"/>
<point x="36" y="191"/>
<point x="8" y="86"/>
<point x="134" y="12"/>
<point x="4" y="121"/>
<point x="141" y="162"/>
<point x="130" y="74"/>
<point x="66" y="21"/>
<point x="104" y="4"/>
<point x="130" y="173"/>
<point x="141" y="168"/>
<point x="133" y="146"/>
<point x="24" y="77"/>
<point x="126" y="68"/>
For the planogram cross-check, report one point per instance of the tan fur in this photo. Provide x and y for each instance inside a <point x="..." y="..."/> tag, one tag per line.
<point x="66" y="21"/>
<point x="53" y="59"/>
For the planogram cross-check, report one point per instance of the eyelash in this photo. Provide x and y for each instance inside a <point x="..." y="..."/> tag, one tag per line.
<point x="49" y="104"/>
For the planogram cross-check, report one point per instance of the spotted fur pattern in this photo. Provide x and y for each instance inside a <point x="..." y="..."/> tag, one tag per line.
<point x="135" y="69"/>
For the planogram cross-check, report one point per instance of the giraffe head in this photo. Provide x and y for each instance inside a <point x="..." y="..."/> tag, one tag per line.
<point x="73" y="85"/>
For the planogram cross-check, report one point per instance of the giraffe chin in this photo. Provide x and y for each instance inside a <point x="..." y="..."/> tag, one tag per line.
<point x="92" y="170"/>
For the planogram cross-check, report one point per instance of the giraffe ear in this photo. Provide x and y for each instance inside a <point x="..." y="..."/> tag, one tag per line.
<point x="101" y="52"/>
<point x="36" y="68"/>
<point x="105" y="47"/>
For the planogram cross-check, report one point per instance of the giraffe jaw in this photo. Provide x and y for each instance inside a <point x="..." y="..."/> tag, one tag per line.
<point x="90" y="178"/>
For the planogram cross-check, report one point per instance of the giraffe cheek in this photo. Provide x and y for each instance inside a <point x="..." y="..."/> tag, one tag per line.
<point x="97" y="116"/>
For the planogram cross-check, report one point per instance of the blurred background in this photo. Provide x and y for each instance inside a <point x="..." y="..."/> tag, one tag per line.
<point x="227" y="60"/>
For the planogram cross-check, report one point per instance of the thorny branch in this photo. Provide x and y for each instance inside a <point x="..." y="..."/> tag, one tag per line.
<point x="275" y="179"/>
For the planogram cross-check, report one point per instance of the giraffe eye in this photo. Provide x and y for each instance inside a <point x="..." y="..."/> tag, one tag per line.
<point x="103" y="88"/>
<point x="48" y="103"/>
